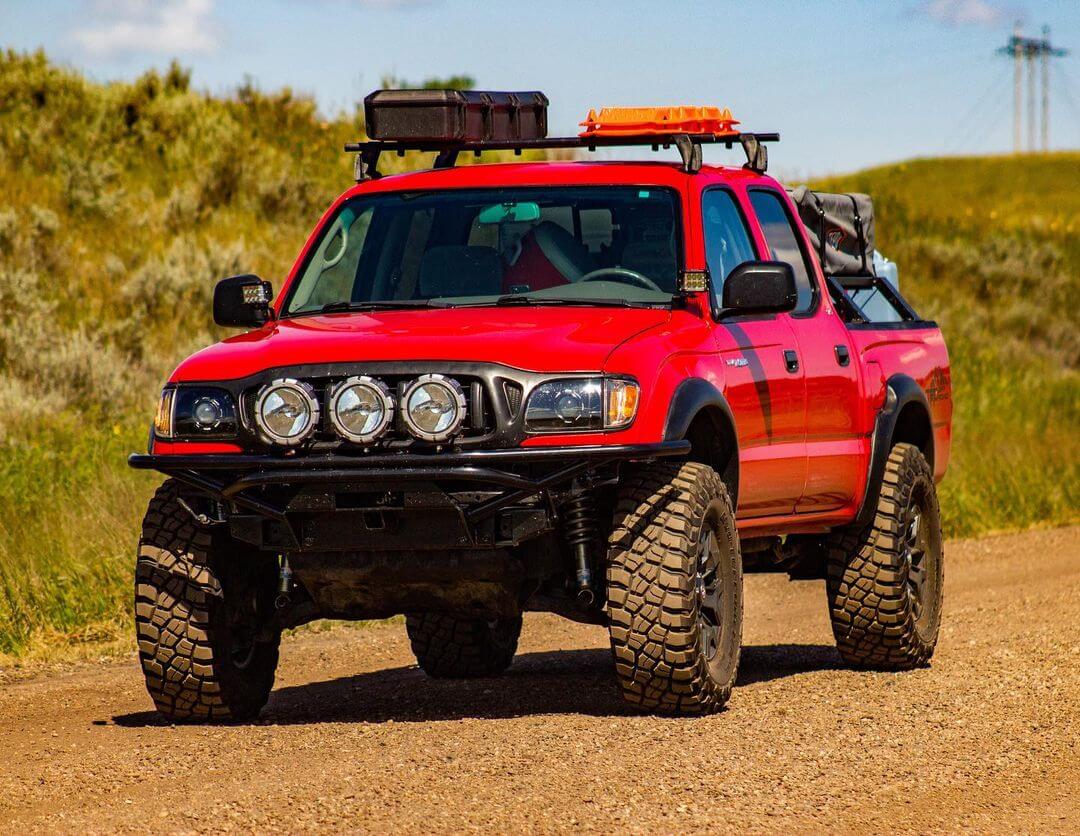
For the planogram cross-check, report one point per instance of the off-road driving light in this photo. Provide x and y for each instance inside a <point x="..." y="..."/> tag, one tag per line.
<point x="163" y="418"/>
<point x="433" y="407"/>
<point x="361" y="409"/>
<point x="581" y="405"/>
<point x="286" y="412"/>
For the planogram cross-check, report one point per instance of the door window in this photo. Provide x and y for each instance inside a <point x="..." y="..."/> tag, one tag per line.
<point x="783" y="241"/>
<point x="727" y="241"/>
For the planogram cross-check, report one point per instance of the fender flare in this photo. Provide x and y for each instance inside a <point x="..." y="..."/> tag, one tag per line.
<point x="691" y="396"/>
<point x="900" y="390"/>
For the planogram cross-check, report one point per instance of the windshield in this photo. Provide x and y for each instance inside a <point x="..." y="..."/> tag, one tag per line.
<point x="591" y="245"/>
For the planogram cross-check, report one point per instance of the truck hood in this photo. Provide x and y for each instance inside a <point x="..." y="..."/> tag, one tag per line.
<point x="555" y="339"/>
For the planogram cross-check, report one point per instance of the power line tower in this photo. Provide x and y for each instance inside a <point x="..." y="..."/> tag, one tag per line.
<point x="1025" y="51"/>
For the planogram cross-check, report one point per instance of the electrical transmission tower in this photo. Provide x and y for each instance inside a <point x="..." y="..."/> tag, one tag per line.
<point x="1025" y="50"/>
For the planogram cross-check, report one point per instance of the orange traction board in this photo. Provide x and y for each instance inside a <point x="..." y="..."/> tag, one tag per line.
<point x="638" y="121"/>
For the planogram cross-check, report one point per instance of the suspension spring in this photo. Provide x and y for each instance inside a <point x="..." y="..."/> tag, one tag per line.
<point x="580" y="530"/>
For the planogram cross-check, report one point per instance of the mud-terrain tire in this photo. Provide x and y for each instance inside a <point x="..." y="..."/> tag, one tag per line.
<point x="449" y="647"/>
<point x="674" y="589"/>
<point x="197" y="599"/>
<point x="885" y="580"/>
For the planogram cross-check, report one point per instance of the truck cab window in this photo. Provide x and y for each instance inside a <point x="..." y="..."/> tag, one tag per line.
<point x="727" y="241"/>
<point x="783" y="241"/>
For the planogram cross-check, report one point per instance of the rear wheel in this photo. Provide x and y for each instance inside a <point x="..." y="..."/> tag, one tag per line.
<point x="675" y="590"/>
<point x="885" y="580"/>
<point x="200" y="607"/>
<point x="449" y="647"/>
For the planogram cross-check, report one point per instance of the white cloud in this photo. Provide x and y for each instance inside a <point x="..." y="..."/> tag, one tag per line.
<point x="964" y="12"/>
<point x="156" y="26"/>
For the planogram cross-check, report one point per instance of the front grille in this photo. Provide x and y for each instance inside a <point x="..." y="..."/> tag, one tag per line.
<point x="495" y="398"/>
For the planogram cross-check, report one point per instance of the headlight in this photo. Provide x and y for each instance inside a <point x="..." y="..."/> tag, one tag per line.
<point x="361" y="409"/>
<point x="195" y="412"/>
<point x="581" y="405"/>
<point x="433" y="407"/>
<point x="286" y="412"/>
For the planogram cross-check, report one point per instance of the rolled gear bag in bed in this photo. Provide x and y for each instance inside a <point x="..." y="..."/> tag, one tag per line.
<point x="841" y="228"/>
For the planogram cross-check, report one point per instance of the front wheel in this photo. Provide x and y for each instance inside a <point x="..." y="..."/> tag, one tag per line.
<point x="201" y="603"/>
<point x="674" y="583"/>
<point x="885" y="580"/>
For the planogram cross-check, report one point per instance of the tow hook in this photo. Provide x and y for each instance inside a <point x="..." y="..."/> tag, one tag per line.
<point x="284" y="596"/>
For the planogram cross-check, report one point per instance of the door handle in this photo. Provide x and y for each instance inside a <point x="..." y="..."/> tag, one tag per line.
<point x="791" y="360"/>
<point x="843" y="356"/>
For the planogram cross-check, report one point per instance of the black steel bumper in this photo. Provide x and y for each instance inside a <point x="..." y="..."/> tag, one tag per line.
<point x="507" y="477"/>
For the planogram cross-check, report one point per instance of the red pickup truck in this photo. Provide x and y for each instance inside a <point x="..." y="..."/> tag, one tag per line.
<point x="600" y="389"/>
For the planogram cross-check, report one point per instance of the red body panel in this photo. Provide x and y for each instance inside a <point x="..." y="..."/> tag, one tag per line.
<point x="804" y="437"/>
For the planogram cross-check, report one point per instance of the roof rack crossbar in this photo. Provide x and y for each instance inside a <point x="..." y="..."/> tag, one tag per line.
<point x="689" y="146"/>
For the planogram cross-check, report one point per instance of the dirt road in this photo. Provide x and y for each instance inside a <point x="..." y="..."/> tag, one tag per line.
<point x="356" y="738"/>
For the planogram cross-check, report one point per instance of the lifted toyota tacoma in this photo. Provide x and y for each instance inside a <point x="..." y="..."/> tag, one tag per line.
<point x="600" y="389"/>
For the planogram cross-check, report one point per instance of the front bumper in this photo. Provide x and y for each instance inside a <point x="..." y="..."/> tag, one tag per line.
<point x="483" y="498"/>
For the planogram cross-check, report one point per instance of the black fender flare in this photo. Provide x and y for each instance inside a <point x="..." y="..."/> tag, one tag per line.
<point x="691" y="396"/>
<point x="900" y="390"/>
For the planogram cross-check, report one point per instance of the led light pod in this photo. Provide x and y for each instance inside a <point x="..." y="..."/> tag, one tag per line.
<point x="361" y="409"/>
<point x="433" y="407"/>
<point x="286" y="412"/>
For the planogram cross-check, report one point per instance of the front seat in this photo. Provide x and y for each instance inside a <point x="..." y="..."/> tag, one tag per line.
<point x="458" y="270"/>
<point x="563" y="250"/>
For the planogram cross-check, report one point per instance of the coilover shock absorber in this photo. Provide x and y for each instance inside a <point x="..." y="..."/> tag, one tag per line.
<point x="580" y="530"/>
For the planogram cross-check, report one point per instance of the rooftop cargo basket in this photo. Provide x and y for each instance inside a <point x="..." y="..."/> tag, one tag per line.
<point x="452" y="122"/>
<point x="455" y="115"/>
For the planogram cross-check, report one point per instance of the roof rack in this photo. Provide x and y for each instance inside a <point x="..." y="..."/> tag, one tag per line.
<point x="447" y="151"/>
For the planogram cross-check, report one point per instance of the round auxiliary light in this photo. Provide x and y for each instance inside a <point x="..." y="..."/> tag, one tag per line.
<point x="361" y="409"/>
<point x="433" y="407"/>
<point x="286" y="412"/>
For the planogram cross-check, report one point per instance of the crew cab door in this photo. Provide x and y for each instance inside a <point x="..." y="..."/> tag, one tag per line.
<point x="764" y="388"/>
<point x="836" y="451"/>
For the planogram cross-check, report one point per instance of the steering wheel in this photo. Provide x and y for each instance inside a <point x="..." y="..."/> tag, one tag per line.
<point x="622" y="274"/>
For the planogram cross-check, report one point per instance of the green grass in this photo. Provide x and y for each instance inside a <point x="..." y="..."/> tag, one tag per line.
<point x="122" y="203"/>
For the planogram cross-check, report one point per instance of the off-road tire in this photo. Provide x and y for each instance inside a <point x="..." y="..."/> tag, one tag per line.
<point x="202" y="659"/>
<point x="885" y="609"/>
<point x="449" y="647"/>
<point x="667" y="660"/>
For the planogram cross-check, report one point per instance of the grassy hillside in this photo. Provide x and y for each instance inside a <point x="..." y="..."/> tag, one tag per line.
<point x="122" y="203"/>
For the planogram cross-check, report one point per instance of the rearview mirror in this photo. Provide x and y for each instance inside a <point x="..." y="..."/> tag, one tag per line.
<point x="243" y="301"/>
<point x="758" y="287"/>
<point x="509" y="213"/>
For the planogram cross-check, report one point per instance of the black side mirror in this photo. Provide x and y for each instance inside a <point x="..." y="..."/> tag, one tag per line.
<point x="243" y="301"/>
<point x="759" y="287"/>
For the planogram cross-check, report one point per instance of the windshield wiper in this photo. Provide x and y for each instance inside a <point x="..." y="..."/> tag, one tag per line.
<point x="350" y="307"/>
<point x="521" y="299"/>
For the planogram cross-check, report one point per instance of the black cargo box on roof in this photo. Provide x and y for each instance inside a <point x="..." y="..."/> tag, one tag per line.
<point x="455" y="115"/>
<point x="841" y="228"/>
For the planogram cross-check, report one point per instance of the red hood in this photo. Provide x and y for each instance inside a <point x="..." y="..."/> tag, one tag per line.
<point x="535" y="339"/>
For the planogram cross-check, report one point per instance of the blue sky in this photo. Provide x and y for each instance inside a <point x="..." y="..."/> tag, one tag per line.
<point x="848" y="84"/>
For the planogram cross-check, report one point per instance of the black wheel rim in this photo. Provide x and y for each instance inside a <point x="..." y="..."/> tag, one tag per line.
<point x="243" y="631"/>
<point x="918" y="555"/>
<point x="709" y="593"/>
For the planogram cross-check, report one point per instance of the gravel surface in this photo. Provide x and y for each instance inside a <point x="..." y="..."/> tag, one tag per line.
<point x="355" y="737"/>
